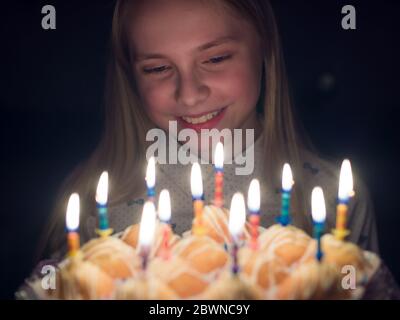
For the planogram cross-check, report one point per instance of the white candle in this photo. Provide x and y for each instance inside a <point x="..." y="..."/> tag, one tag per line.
<point x="164" y="206"/>
<point x="164" y="213"/>
<point x="237" y="215"/>
<point x="237" y="219"/>
<point x="253" y="196"/>
<point x="151" y="178"/>
<point x="147" y="226"/>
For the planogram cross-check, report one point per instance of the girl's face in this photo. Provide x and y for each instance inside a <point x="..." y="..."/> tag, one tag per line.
<point x="195" y="63"/>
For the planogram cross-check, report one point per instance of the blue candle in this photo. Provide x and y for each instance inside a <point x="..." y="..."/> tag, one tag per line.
<point x="318" y="211"/>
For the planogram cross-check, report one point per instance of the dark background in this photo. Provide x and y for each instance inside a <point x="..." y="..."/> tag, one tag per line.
<point x="345" y="84"/>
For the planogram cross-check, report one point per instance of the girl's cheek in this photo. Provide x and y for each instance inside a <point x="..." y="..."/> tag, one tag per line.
<point x="235" y="84"/>
<point x="157" y="99"/>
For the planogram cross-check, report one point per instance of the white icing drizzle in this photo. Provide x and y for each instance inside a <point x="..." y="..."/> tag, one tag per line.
<point x="158" y="239"/>
<point x="305" y="275"/>
<point x="217" y="220"/>
<point x="115" y="249"/>
<point x="269" y="241"/>
<point x="181" y="264"/>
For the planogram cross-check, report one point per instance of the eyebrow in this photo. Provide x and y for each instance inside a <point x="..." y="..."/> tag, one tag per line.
<point x="203" y="47"/>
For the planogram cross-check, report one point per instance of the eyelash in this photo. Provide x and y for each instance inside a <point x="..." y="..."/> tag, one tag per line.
<point x="161" y="69"/>
<point x="219" y="59"/>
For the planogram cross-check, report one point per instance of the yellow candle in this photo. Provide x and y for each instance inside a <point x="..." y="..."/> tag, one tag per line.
<point x="197" y="194"/>
<point x="344" y="194"/>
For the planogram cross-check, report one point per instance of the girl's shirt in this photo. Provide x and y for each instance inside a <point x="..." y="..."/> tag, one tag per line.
<point x="317" y="172"/>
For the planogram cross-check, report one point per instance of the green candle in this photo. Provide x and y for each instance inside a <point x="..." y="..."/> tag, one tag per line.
<point x="101" y="199"/>
<point x="318" y="211"/>
<point x="287" y="183"/>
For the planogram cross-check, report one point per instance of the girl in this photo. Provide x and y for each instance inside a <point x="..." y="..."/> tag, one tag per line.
<point x="204" y="64"/>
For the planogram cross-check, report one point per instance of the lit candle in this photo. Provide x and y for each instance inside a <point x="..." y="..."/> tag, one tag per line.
<point x="345" y="192"/>
<point x="237" y="219"/>
<point x="151" y="179"/>
<point x="72" y="222"/>
<point x="287" y="183"/>
<point x="219" y="175"/>
<point x="146" y="231"/>
<point x="101" y="198"/>
<point x="164" y="213"/>
<point x="253" y="203"/>
<point x="318" y="212"/>
<point x="197" y="194"/>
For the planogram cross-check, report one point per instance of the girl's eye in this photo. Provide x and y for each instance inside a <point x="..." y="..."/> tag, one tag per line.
<point x="218" y="59"/>
<point x="159" y="69"/>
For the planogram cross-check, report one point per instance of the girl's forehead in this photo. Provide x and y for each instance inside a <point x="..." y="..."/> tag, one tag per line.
<point x="158" y="24"/>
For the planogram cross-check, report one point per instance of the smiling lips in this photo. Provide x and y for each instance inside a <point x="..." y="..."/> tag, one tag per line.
<point x="205" y="121"/>
<point x="201" y="119"/>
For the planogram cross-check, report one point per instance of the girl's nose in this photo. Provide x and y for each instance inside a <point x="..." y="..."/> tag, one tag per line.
<point x="191" y="90"/>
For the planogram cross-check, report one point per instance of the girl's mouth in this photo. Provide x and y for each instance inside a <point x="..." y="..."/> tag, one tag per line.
<point x="204" y="121"/>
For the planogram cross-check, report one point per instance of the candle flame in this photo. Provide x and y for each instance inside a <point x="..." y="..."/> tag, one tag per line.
<point x="287" y="178"/>
<point x="147" y="225"/>
<point x="151" y="173"/>
<point x="164" y="206"/>
<point x="102" y="189"/>
<point x="318" y="209"/>
<point x="253" y="196"/>
<point x="196" y="181"/>
<point x="72" y="218"/>
<point x="219" y="156"/>
<point x="237" y="215"/>
<point x="345" y="181"/>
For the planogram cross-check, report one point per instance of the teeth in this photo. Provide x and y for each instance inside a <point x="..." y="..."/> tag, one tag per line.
<point x="201" y="119"/>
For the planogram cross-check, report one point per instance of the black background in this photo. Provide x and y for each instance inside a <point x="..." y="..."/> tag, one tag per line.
<point x="345" y="85"/>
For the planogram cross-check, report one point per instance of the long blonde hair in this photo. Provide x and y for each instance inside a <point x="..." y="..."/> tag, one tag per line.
<point x="122" y="147"/>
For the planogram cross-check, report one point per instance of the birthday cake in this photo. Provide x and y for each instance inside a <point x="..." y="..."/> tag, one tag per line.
<point x="282" y="266"/>
<point x="225" y="255"/>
